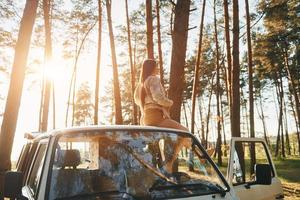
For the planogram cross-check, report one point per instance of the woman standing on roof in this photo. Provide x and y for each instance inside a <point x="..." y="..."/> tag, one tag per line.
<point x="150" y="97"/>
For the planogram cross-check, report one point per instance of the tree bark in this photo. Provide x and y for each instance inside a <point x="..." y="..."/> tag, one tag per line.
<point x="197" y="66"/>
<point x="287" y="139"/>
<point x="292" y="84"/>
<point x="179" y="43"/>
<point x="262" y="117"/>
<point x="53" y="106"/>
<point x="280" y="130"/>
<point x="132" y="69"/>
<point x="73" y="97"/>
<point x="42" y="99"/>
<point x="185" y="116"/>
<point x="228" y="54"/>
<point x="279" y="118"/>
<point x="208" y="111"/>
<point x="235" y="83"/>
<point x="160" y="58"/>
<point x="48" y="57"/>
<point x="250" y="79"/>
<point x="117" y="95"/>
<point x="296" y="122"/>
<point x="223" y="127"/>
<point x="13" y="100"/>
<point x="219" y="143"/>
<point x="149" y="23"/>
<point x="202" y="122"/>
<point x="96" y="118"/>
<point x="235" y="108"/>
<point x="282" y="104"/>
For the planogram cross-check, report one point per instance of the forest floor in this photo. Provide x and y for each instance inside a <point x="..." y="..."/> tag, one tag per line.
<point x="288" y="171"/>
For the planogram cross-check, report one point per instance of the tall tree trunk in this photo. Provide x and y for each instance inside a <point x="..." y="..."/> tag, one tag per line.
<point x="73" y="77"/>
<point x="134" y="66"/>
<point x="48" y="57"/>
<point x="279" y="99"/>
<point x="228" y="54"/>
<point x="281" y="117"/>
<point x="235" y="83"/>
<point x="179" y="43"/>
<point x="202" y="121"/>
<point x="223" y="127"/>
<point x="292" y="84"/>
<point x="149" y="23"/>
<point x="117" y="95"/>
<point x="287" y="139"/>
<point x="235" y="88"/>
<point x="98" y="63"/>
<point x="262" y="117"/>
<point x="53" y="106"/>
<point x="250" y="77"/>
<point x="219" y="143"/>
<point x="280" y="130"/>
<point x="13" y="100"/>
<point x="185" y="116"/>
<point x="296" y="122"/>
<point x="196" y="71"/>
<point x="208" y="111"/>
<point x="160" y="58"/>
<point x="282" y="104"/>
<point x="132" y="69"/>
<point x="42" y="99"/>
<point x="73" y="97"/>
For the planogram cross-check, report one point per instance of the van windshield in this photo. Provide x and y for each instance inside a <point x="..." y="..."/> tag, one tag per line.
<point x="131" y="165"/>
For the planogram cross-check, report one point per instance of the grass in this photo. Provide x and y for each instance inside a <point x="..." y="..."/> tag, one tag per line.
<point x="288" y="171"/>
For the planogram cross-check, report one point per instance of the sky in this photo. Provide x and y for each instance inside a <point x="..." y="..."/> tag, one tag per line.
<point x="29" y="108"/>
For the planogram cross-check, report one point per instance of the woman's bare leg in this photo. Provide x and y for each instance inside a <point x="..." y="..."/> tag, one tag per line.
<point x="169" y="123"/>
<point x="176" y="147"/>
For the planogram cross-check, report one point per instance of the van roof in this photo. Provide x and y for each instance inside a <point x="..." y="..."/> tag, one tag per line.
<point x="40" y="135"/>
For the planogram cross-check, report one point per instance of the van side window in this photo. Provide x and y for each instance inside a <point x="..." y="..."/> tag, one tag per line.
<point x="28" y="161"/>
<point x="36" y="168"/>
<point x="21" y="164"/>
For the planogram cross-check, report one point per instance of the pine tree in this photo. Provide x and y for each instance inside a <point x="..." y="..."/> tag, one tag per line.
<point x="13" y="100"/>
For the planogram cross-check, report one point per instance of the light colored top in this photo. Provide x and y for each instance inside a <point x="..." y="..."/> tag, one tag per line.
<point x="155" y="96"/>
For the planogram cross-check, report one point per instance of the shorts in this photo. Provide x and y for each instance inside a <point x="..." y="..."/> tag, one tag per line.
<point x="153" y="117"/>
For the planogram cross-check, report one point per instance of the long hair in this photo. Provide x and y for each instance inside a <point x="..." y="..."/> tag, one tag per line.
<point x="149" y="65"/>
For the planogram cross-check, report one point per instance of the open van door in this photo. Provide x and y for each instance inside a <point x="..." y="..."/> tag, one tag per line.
<point x="251" y="171"/>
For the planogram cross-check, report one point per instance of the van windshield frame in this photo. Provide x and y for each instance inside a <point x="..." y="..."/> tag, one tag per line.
<point x="195" y="143"/>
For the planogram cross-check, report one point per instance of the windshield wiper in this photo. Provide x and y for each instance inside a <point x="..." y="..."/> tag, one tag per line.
<point x="104" y="193"/>
<point x="213" y="187"/>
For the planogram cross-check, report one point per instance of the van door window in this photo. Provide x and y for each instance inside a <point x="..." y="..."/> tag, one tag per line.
<point x="36" y="169"/>
<point x="27" y="164"/>
<point x="245" y="157"/>
<point x="21" y="164"/>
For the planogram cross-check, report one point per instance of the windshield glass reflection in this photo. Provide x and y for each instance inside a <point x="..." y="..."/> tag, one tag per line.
<point x="138" y="164"/>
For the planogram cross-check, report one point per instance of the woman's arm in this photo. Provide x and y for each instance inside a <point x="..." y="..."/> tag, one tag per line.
<point x="157" y="94"/>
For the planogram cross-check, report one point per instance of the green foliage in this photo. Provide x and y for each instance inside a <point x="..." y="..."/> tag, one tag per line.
<point x="207" y="67"/>
<point x="282" y="33"/>
<point x="79" y="20"/>
<point x="83" y="105"/>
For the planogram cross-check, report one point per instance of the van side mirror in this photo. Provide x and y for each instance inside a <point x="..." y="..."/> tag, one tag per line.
<point x="263" y="174"/>
<point x="13" y="185"/>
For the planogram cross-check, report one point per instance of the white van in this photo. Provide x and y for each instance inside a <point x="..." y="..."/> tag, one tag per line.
<point x="136" y="162"/>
